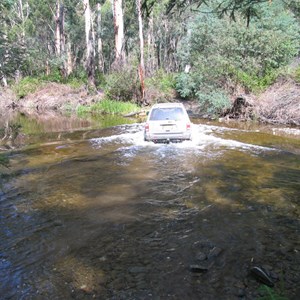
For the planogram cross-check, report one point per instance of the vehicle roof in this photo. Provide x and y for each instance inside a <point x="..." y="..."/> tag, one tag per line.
<point x="168" y="104"/>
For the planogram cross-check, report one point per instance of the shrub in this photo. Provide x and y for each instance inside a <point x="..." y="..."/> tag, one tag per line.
<point x="162" y="81"/>
<point x="160" y="86"/>
<point x="75" y="83"/>
<point x="4" y="161"/>
<point x="185" y="85"/>
<point x="297" y="74"/>
<point x="122" y="85"/>
<point x="26" y="86"/>
<point x="83" y="109"/>
<point x="109" y="107"/>
<point x="79" y="74"/>
<point x="214" y="102"/>
<point x="254" y="82"/>
<point x="100" y="80"/>
<point x="220" y="51"/>
<point x="54" y="76"/>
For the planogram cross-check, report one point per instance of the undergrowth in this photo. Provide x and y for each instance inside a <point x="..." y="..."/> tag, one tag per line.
<point x="29" y="85"/>
<point x="4" y="161"/>
<point x="297" y="74"/>
<point x="26" y="86"/>
<point x="254" y="83"/>
<point x="269" y="294"/>
<point x="108" y="106"/>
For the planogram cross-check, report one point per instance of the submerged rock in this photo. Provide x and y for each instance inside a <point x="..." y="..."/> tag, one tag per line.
<point x="214" y="252"/>
<point x="201" y="256"/>
<point x="261" y="275"/>
<point x="198" y="268"/>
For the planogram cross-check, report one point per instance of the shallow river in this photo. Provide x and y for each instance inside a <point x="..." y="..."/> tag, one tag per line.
<point x="91" y="211"/>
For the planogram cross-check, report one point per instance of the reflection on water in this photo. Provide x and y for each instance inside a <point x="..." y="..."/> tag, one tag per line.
<point x="93" y="211"/>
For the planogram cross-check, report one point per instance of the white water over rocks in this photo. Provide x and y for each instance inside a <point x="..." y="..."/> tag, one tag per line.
<point x="203" y="137"/>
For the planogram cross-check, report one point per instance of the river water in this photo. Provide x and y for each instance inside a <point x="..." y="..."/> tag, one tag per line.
<point x="91" y="211"/>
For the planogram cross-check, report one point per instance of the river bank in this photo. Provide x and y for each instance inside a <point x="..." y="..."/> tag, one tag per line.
<point x="279" y="104"/>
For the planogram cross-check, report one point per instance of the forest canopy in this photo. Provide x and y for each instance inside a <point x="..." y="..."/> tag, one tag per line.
<point x="203" y="48"/>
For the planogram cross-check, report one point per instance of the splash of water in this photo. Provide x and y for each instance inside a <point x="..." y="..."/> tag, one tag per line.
<point x="202" y="138"/>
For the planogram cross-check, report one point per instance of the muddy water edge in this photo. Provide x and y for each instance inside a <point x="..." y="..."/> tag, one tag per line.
<point x="89" y="210"/>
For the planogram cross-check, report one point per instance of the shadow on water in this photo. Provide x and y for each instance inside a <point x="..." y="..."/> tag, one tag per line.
<point x="113" y="219"/>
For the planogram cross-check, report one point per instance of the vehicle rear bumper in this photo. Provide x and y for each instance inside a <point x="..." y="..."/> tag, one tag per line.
<point x="166" y="138"/>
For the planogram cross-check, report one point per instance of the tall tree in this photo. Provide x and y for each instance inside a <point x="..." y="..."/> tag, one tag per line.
<point x="11" y="40"/>
<point x="99" y="39"/>
<point x="119" y="32"/>
<point x="141" y="37"/>
<point x="58" y="28"/>
<point x="90" y="57"/>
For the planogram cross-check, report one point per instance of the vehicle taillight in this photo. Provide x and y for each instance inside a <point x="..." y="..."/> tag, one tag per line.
<point x="147" y="127"/>
<point x="188" y="126"/>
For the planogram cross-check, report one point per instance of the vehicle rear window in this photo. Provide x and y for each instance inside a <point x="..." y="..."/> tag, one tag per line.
<point x="169" y="113"/>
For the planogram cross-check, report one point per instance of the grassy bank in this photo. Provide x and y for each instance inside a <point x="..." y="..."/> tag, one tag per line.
<point x="107" y="106"/>
<point x="118" y="93"/>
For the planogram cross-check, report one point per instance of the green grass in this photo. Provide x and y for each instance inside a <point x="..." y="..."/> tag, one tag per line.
<point x="27" y="86"/>
<point x="107" y="106"/>
<point x="4" y="161"/>
<point x="162" y="81"/>
<point x="256" y="83"/>
<point x="297" y="74"/>
<point x="269" y="294"/>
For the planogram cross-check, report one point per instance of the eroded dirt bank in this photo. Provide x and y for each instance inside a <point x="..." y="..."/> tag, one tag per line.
<point x="279" y="104"/>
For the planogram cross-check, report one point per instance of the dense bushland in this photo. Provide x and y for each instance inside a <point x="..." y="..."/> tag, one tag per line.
<point x="208" y="51"/>
<point x="223" y="55"/>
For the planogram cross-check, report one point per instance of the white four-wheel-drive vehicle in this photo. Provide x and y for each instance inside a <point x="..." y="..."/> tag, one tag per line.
<point x="168" y="122"/>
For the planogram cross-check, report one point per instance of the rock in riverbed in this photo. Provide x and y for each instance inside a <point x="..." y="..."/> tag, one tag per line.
<point x="261" y="275"/>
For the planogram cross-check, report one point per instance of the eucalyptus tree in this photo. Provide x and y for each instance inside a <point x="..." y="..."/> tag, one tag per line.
<point x="99" y="42"/>
<point x="119" y="32"/>
<point x="59" y="26"/>
<point x="141" y="38"/>
<point x="45" y="35"/>
<point x="232" y="8"/>
<point x="90" y="43"/>
<point x="106" y="33"/>
<point x="163" y="33"/>
<point x="12" y="48"/>
<point x="3" y="43"/>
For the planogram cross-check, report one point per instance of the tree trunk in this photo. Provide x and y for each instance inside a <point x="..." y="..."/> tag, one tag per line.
<point x="90" y="65"/>
<point x="150" y="61"/>
<point x="21" y="16"/>
<point x="48" y="71"/>
<point x="62" y="28"/>
<point x="60" y="39"/>
<point x="119" y="32"/>
<point x="142" y="64"/>
<point x="99" y="40"/>
<point x="22" y="37"/>
<point x="69" y="64"/>
<point x="57" y="28"/>
<point x="2" y="77"/>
